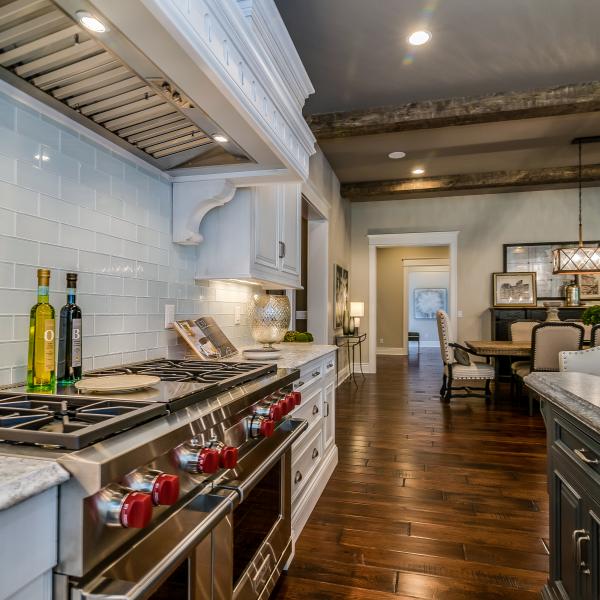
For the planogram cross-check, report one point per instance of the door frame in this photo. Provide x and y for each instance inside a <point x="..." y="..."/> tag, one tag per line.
<point x="387" y="240"/>
<point x="416" y="265"/>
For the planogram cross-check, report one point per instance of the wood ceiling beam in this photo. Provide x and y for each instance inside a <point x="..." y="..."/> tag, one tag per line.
<point x="431" y="114"/>
<point x="445" y="185"/>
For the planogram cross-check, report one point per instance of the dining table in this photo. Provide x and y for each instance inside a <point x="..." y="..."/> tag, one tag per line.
<point x="499" y="348"/>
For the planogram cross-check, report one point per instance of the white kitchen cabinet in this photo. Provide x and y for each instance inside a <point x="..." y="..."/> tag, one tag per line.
<point x="314" y="455"/>
<point x="255" y="236"/>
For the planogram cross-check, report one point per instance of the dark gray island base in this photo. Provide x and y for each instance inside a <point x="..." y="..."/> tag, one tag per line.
<point x="570" y="404"/>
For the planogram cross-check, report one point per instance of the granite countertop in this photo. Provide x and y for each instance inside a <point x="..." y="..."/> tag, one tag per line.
<point x="295" y="354"/>
<point x="21" y="478"/>
<point x="578" y="394"/>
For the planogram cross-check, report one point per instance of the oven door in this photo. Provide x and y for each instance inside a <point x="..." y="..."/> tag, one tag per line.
<point x="262" y="518"/>
<point x="187" y="557"/>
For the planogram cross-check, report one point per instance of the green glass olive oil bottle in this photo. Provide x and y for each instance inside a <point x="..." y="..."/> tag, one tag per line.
<point x="41" y="370"/>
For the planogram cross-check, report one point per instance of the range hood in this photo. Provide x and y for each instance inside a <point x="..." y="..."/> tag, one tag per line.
<point x="105" y="83"/>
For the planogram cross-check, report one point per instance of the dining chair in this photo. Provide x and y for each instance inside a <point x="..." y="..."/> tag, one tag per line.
<point x="595" y="336"/>
<point x="581" y="361"/>
<point x="547" y="341"/>
<point x="587" y="329"/>
<point x="520" y="331"/>
<point x="459" y="366"/>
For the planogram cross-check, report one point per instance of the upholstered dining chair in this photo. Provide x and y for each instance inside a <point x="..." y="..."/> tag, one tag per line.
<point x="595" y="336"/>
<point x="520" y="331"/>
<point x="459" y="366"/>
<point x="587" y="329"/>
<point x="547" y="341"/>
<point x="581" y="361"/>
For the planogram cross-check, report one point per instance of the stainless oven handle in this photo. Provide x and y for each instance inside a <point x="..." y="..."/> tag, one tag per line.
<point x="244" y="486"/>
<point x="141" y="589"/>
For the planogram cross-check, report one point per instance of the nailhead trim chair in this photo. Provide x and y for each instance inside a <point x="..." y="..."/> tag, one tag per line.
<point x="548" y="340"/>
<point x="520" y="331"/>
<point x="475" y="372"/>
<point x="581" y="361"/>
<point x="595" y="336"/>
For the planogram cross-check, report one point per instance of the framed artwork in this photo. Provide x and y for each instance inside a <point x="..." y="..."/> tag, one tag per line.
<point x="340" y="294"/>
<point x="514" y="289"/>
<point x="427" y="301"/>
<point x="589" y="285"/>
<point x="537" y="257"/>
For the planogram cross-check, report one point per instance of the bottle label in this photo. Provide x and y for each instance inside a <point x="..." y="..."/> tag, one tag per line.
<point x="43" y="290"/>
<point x="76" y="343"/>
<point x="49" y="344"/>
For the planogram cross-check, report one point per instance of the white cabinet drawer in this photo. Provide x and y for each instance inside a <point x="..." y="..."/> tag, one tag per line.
<point x="311" y="408"/>
<point x="329" y="365"/>
<point x="312" y="371"/>
<point x="305" y="464"/>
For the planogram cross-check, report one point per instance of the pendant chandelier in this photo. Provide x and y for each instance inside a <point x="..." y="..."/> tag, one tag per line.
<point x="580" y="259"/>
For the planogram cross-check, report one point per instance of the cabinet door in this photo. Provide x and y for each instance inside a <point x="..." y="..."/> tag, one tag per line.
<point x="266" y="226"/>
<point x="329" y="416"/>
<point x="589" y="552"/>
<point x="290" y="215"/>
<point x="566" y="518"/>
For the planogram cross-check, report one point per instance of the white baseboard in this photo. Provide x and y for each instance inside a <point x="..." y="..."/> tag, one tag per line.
<point x="343" y="375"/>
<point x="383" y="350"/>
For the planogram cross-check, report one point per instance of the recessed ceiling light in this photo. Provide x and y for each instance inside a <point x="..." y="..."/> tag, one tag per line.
<point x="418" y="171"/>
<point x="397" y="154"/>
<point x="91" y="22"/>
<point x="220" y="138"/>
<point x="418" y="38"/>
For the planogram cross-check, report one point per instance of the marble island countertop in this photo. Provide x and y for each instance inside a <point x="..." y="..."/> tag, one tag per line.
<point x="294" y="354"/>
<point x="578" y="394"/>
<point x="21" y="478"/>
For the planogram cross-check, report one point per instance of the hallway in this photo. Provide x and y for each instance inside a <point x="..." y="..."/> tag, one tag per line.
<point x="429" y="501"/>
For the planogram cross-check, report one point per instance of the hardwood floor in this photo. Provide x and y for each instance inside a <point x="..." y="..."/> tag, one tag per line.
<point x="429" y="501"/>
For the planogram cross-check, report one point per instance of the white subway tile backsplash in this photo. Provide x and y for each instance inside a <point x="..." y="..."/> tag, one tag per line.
<point x="34" y="178"/>
<point x="88" y="210"/>
<point x="33" y="228"/>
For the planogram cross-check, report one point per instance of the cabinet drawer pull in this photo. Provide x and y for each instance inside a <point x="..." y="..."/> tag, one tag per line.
<point x="298" y="477"/>
<point x="330" y="365"/>
<point x="281" y="249"/>
<point x="300" y="384"/>
<point x="315" y="410"/>
<point x="315" y="453"/>
<point x="316" y="373"/>
<point x="580" y="536"/>
<point x="579" y="453"/>
<point x="326" y="409"/>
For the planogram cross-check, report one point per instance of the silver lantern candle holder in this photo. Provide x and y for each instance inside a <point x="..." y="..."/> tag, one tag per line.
<point x="269" y="318"/>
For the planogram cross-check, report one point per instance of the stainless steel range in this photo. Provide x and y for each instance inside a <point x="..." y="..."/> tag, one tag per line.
<point x="179" y="491"/>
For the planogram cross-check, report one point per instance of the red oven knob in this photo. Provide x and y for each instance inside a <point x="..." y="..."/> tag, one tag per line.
<point x="120" y="506"/>
<point x="290" y="402"/>
<point x="195" y="459"/>
<point x="165" y="490"/>
<point x="260" y="427"/>
<point x="297" y="398"/>
<point x="136" y="510"/>
<point x="162" y="487"/>
<point x="270" y="411"/>
<point x="228" y="457"/>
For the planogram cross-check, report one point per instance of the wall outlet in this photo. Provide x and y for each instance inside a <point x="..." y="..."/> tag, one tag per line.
<point x="381" y="340"/>
<point x="237" y="318"/>
<point x="460" y="313"/>
<point x="169" y="315"/>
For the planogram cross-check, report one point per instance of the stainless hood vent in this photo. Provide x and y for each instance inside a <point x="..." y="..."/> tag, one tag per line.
<point x="43" y="46"/>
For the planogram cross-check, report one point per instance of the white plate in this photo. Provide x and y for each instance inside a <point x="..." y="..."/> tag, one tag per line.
<point x="260" y="354"/>
<point x="116" y="383"/>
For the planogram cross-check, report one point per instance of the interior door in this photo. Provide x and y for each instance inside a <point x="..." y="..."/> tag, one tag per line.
<point x="266" y="226"/>
<point x="290" y="205"/>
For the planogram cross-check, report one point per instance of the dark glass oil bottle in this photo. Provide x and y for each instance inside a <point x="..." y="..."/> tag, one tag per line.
<point x="41" y="373"/>
<point x="70" y="334"/>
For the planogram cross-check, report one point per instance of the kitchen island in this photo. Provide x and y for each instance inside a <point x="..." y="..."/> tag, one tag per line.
<point x="28" y="524"/>
<point x="570" y="404"/>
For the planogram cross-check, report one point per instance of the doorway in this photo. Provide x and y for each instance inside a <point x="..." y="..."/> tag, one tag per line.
<point x="448" y="239"/>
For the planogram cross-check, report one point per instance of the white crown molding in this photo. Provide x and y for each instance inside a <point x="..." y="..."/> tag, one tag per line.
<point x="221" y="37"/>
<point x="191" y="201"/>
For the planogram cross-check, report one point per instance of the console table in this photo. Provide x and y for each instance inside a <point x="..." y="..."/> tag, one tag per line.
<point x="350" y="342"/>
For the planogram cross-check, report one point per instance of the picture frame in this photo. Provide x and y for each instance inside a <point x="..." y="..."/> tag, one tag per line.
<point x="537" y="256"/>
<point x="340" y="294"/>
<point x="514" y="289"/>
<point x="427" y="301"/>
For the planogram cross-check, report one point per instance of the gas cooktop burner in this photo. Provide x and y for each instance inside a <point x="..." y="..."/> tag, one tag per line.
<point x="70" y="423"/>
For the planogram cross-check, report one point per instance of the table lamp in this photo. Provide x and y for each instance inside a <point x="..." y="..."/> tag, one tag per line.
<point x="357" y="310"/>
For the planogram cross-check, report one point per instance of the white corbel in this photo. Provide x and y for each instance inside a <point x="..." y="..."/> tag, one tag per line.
<point x="191" y="201"/>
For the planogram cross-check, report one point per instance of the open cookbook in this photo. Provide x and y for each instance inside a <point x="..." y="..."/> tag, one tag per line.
<point x="205" y="338"/>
